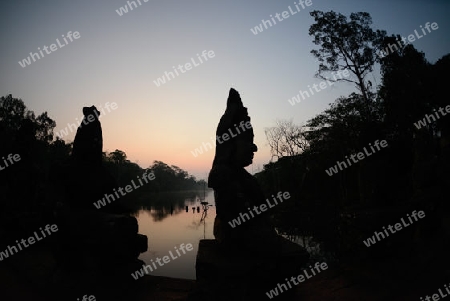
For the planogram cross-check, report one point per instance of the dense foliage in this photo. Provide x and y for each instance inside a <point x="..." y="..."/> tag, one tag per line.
<point x="412" y="172"/>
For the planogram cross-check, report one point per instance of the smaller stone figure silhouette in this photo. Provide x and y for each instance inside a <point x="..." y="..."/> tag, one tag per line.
<point x="89" y="238"/>
<point x="88" y="143"/>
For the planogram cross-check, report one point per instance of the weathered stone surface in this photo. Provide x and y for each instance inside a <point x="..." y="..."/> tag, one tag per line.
<point x="88" y="143"/>
<point x="247" y="258"/>
<point x="95" y="246"/>
<point x="105" y="235"/>
<point x="212" y="262"/>
<point x="221" y="275"/>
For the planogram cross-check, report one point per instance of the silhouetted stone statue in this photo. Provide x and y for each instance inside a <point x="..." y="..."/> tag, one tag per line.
<point x="88" y="143"/>
<point x="248" y="258"/>
<point x="236" y="190"/>
<point x="98" y="247"/>
<point x="88" y="180"/>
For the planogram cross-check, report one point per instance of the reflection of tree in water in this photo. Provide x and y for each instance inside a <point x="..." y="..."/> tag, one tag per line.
<point x="313" y="246"/>
<point x="308" y="242"/>
<point x="161" y="205"/>
<point x="197" y="223"/>
<point x="158" y="214"/>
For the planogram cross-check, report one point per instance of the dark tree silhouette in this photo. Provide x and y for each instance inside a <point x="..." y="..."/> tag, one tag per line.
<point x="346" y="44"/>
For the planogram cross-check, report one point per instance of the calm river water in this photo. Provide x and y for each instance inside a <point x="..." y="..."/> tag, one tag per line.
<point x="167" y="224"/>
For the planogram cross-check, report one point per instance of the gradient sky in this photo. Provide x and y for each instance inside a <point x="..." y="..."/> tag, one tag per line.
<point x="117" y="58"/>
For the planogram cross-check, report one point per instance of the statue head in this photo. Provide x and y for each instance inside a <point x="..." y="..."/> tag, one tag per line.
<point x="92" y="110"/>
<point x="234" y="135"/>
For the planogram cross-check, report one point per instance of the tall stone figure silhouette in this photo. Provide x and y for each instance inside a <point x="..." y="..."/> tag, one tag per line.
<point x="247" y="258"/>
<point x="236" y="190"/>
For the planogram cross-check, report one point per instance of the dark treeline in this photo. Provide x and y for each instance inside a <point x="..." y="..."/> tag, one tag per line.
<point x="411" y="173"/>
<point x="25" y="183"/>
<point x="166" y="178"/>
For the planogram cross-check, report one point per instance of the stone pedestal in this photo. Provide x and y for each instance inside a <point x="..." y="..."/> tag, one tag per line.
<point x="108" y="236"/>
<point x="224" y="276"/>
<point x="97" y="252"/>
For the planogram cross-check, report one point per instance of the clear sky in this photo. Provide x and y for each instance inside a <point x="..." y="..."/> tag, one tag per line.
<point x="118" y="58"/>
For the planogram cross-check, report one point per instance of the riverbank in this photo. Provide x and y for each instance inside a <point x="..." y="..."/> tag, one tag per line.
<point x="31" y="274"/>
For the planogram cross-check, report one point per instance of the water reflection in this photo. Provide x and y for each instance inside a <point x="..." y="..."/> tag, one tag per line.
<point x="313" y="246"/>
<point x="171" y="219"/>
<point x="308" y="242"/>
